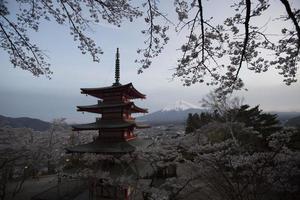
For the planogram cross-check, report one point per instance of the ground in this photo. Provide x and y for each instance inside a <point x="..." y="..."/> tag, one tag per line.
<point x="32" y="187"/>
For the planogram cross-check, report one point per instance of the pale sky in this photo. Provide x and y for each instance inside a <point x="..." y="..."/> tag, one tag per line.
<point x="21" y="94"/>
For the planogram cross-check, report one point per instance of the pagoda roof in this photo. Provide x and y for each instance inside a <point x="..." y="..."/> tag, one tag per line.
<point x="103" y="124"/>
<point x="100" y="107"/>
<point x="102" y="146"/>
<point x="128" y="88"/>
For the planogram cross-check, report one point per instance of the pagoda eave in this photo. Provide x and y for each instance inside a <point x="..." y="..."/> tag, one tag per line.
<point x="104" y="147"/>
<point x="121" y="147"/>
<point x="128" y="89"/>
<point x="141" y="126"/>
<point x="100" y="111"/>
<point x="103" y="125"/>
<point x="101" y="108"/>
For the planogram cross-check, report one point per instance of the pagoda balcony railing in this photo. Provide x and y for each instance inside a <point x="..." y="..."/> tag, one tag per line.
<point x="99" y="119"/>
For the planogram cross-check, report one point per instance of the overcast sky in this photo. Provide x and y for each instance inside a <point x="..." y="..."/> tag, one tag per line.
<point x="25" y="95"/>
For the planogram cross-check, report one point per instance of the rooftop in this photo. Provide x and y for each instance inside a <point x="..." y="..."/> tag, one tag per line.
<point x="106" y="107"/>
<point x="100" y="92"/>
<point x="111" y="124"/>
<point x="100" y="146"/>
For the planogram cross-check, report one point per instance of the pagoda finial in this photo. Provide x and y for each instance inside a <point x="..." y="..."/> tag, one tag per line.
<point x="117" y="69"/>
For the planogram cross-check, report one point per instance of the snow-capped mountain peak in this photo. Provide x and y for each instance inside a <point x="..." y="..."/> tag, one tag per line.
<point x="180" y="106"/>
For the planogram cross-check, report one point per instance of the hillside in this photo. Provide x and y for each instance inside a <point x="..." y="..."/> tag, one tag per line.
<point x="285" y="116"/>
<point x="295" y="122"/>
<point x="26" y="122"/>
<point x="175" y="113"/>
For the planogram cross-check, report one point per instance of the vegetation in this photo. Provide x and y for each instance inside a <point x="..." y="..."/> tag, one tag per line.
<point x="241" y="154"/>
<point x="265" y="123"/>
<point x="294" y="122"/>
<point x="27" y="154"/>
<point x="236" y="153"/>
<point x="213" y="53"/>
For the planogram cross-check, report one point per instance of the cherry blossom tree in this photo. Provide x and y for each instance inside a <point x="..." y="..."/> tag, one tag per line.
<point x="16" y="158"/>
<point x="227" y="168"/>
<point x="28" y="56"/>
<point x="224" y="159"/>
<point x="26" y="153"/>
<point x="217" y="161"/>
<point x="213" y="53"/>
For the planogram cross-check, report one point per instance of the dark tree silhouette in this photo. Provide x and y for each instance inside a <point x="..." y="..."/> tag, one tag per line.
<point x="189" y="126"/>
<point x="264" y="124"/>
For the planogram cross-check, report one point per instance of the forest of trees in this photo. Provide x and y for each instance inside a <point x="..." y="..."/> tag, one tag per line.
<point x="27" y="154"/>
<point x="231" y="152"/>
<point x="251" y="117"/>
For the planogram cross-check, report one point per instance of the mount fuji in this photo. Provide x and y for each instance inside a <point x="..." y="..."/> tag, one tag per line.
<point x="175" y="113"/>
<point x="180" y="105"/>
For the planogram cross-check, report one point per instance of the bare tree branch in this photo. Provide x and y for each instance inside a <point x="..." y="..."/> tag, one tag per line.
<point x="202" y="28"/>
<point x="294" y="20"/>
<point x="246" y="39"/>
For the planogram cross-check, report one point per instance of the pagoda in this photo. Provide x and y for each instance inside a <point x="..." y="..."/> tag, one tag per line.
<point x="116" y="125"/>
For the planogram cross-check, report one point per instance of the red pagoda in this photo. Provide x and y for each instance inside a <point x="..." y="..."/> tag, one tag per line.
<point x="115" y="138"/>
<point x="116" y="125"/>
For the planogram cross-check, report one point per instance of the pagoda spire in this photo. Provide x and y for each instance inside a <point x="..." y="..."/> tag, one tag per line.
<point x="117" y="69"/>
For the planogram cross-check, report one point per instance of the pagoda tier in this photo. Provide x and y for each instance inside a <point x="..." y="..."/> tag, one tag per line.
<point x="102" y="107"/>
<point x="104" y="146"/>
<point x="108" y="124"/>
<point x="110" y="93"/>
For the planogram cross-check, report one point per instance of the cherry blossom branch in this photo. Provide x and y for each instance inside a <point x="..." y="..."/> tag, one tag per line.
<point x="293" y="18"/>
<point x="246" y="39"/>
<point x="202" y="27"/>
